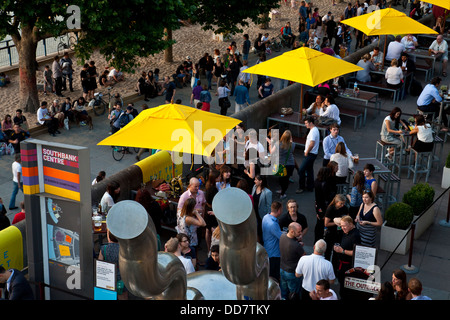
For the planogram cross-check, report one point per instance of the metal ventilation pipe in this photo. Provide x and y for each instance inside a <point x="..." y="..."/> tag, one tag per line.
<point x="145" y="272"/>
<point x="244" y="262"/>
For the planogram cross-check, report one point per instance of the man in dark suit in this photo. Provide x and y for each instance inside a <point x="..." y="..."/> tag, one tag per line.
<point x="408" y="66"/>
<point x="17" y="286"/>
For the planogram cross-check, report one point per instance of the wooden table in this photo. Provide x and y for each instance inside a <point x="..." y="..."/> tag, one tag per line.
<point x="294" y="119"/>
<point x="424" y="54"/>
<point x="365" y="97"/>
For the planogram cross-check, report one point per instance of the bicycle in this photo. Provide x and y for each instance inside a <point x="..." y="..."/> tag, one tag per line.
<point x="68" y="45"/>
<point x="98" y="104"/>
<point x="275" y="44"/>
<point x="119" y="152"/>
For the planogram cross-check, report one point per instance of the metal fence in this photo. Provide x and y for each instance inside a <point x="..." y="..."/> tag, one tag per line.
<point x="10" y="57"/>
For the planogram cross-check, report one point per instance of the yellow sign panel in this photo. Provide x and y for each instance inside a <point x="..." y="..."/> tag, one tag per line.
<point x="159" y="166"/>
<point x="64" y="251"/>
<point x="11" y="248"/>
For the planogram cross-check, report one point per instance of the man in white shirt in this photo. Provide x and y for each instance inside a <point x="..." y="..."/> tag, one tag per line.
<point x="44" y="118"/>
<point x="330" y="109"/>
<point x="174" y="246"/>
<point x="395" y="49"/>
<point x="440" y="46"/>
<point x="323" y="291"/>
<point x="314" y="267"/>
<point x="306" y="170"/>
<point x="377" y="57"/>
<point x="17" y="180"/>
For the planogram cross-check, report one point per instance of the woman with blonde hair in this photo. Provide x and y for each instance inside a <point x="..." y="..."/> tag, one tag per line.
<point x="285" y="157"/>
<point x="344" y="162"/>
<point x="367" y="64"/>
<point x="394" y="75"/>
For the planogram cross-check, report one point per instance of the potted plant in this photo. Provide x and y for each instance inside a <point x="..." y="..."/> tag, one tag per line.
<point x="397" y="224"/>
<point x="446" y="174"/>
<point x="419" y="197"/>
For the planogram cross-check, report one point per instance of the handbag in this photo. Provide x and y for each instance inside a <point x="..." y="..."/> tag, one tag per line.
<point x="280" y="170"/>
<point x="226" y="103"/>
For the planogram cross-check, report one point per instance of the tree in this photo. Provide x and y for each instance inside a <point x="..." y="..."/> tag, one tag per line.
<point x="28" y="22"/>
<point x="120" y="30"/>
<point x="231" y="15"/>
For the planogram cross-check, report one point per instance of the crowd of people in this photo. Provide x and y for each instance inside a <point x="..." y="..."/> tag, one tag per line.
<point x="342" y="220"/>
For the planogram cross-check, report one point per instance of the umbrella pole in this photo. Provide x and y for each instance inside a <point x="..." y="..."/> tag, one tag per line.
<point x="301" y="102"/>
<point x="384" y="51"/>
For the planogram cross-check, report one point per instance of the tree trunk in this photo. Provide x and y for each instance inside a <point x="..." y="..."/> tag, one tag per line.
<point x="26" y="48"/>
<point x="168" y="52"/>
<point x="265" y="23"/>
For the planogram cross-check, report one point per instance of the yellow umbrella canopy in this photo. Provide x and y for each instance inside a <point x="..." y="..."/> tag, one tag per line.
<point x="387" y="21"/>
<point x="440" y="3"/>
<point x="174" y="127"/>
<point x="304" y="65"/>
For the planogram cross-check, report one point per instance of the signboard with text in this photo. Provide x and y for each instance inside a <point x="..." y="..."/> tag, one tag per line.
<point x="56" y="179"/>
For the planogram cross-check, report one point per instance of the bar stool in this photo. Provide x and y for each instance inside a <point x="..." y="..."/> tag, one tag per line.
<point x="428" y="115"/>
<point x="384" y="148"/>
<point x="419" y="166"/>
<point x="381" y="198"/>
<point x="438" y="143"/>
<point x="389" y="182"/>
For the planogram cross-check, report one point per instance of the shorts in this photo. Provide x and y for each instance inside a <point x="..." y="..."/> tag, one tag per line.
<point x="85" y="89"/>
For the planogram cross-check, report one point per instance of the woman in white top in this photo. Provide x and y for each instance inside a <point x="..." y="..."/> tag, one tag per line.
<point x="189" y="220"/>
<point x="394" y="75"/>
<point x="344" y="162"/>
<point x="315" y="107"/>
<point x="425" y="139"/>
<point x="110" y="196"/>
<point x="222" y="93"/>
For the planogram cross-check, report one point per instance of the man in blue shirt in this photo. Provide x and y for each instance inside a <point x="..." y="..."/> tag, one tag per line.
<point x="415" y="288"/>
<point x="330" y="142"/>
<point x="242" y="97"/>
<point x="303" y="12"/>
<point x="271" y="237"/>
<point x="430" y="100"/>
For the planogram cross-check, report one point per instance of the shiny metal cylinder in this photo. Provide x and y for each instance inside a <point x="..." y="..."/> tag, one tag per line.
<point x="244" y="262"/>
<point x="145" y="272"/>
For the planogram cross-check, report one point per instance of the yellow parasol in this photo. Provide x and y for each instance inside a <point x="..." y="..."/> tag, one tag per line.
<point x="174" y="127"/>
<point x="387" y="21"/>
<point x="304" y="65"/>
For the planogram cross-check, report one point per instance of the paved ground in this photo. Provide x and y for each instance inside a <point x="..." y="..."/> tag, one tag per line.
<point x="431" y="254"/>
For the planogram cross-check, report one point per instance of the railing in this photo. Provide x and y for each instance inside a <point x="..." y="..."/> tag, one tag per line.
<point x="9" y="55"/>
<point x="409" y="266"/>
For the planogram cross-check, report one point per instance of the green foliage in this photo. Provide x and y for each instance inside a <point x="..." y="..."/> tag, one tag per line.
<point x="447" y="162"/>
<point x="419" y="197"/>
<point x="124" y="30"/>
<point x="399" y="216"/>
<point x="232" y="15"/>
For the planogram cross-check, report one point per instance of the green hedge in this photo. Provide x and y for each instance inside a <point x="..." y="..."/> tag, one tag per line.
<point x="399" y="216"/>
<point x="419" y="197"/>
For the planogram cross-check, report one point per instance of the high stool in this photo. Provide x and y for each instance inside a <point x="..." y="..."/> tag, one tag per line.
<point x="428" y="115"/>
<point x="438" y="143"/>
<point x="381" y="198"/>
<point x="419" y="166"/>
<point x="389" y="182"/>
<point x="383" y="147"/>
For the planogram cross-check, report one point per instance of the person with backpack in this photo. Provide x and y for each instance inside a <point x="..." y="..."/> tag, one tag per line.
<point x="124" y="118"/>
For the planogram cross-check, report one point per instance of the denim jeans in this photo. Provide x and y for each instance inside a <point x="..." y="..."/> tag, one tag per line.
<point x="306" y="172"/>
<point x="289" y="283"/>
<point x="12" y="202"/>
<point x="209" y="76"/>
<point x="64" y="82"/>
